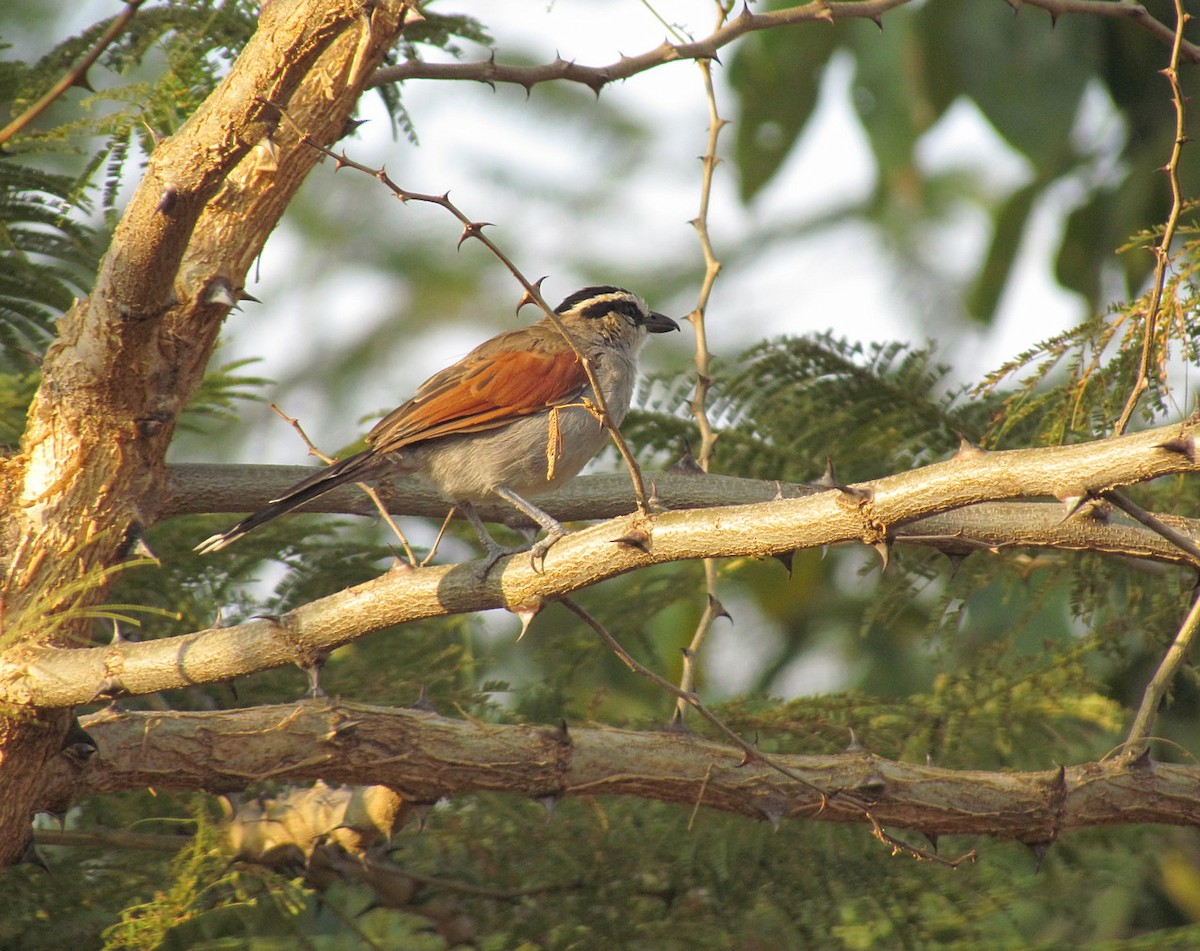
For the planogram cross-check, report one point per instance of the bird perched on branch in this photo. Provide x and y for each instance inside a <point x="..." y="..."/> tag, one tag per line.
<point x="513" y="418"/>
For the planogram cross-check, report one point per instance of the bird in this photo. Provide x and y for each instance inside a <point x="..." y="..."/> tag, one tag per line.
<point x="513" y="418"/>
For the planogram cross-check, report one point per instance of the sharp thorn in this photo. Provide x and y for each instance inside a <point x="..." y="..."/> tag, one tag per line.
<point x="717" y="608"/>
<point x="884" y="550"/>
<point x="785" y="558"/>
<point x="686" y="464"/>
<point x="1039" y="850"/>
<point x="635" y="538"/>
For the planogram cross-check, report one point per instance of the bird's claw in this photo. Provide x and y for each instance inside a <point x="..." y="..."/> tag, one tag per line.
<point x="537" y="554"/>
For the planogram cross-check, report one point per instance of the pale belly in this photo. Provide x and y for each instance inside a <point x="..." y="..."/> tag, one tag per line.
<point x="530" y="456"/>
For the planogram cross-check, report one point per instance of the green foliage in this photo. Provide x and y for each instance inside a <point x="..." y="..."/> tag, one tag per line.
<point x="995" y="713"/>
<point x="16" y="393"/>
<point x="1029" y="77"/>
<point x="167" y="60"/>
<point x="617" y="873"/>
<point x="199" y="867"/>
<point x="1076" y="383"/>
<point x="49" y="257"/>
<point x="972" y="672"/>
<point x="212" y="404"/>
<point x="785" y="407"/>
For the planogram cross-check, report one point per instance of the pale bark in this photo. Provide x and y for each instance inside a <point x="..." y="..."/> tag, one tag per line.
<point x="869" y="513"/>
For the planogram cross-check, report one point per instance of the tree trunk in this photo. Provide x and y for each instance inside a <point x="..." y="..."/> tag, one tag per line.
<point x="130" y="355"/>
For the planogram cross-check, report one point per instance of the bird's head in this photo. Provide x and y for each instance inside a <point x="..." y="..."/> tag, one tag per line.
<point x="612" y="313"/>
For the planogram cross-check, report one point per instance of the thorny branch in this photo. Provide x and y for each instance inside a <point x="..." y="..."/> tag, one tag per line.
<point x="533" y="295"/>
<point x="1162" y="253"/>
<point x="425" y="756"/>
<point x="862" y="513"/>
<point x="1121" y="10"/>
<point x="597" y="77"/>
<point x="698" y="403"/>
<point x="211" y="488"/>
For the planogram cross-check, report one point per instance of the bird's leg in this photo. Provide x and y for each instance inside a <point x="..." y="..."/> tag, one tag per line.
<point x="554" y="530"/>
<point x="493" y="550"/>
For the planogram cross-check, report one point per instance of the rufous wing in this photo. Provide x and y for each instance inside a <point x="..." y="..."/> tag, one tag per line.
<point x="483" y="391"/>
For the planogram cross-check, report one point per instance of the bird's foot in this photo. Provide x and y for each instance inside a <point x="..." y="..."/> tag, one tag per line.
<point x="493" y="551"/>
<point x="537" y="554"/>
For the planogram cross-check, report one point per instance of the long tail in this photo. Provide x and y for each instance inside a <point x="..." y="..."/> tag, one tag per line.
<point x="348" y="470"/>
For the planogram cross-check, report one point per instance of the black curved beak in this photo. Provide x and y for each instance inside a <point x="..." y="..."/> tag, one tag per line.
<point x="660" y="323"/>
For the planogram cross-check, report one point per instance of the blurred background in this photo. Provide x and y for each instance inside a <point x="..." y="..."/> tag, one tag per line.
<point x="848" y="200"/>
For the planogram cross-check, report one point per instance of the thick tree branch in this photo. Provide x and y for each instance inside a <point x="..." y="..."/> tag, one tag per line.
<point x="424" y="757"/>
<point x="871" y="513"/>
<point x="193" y="488"/>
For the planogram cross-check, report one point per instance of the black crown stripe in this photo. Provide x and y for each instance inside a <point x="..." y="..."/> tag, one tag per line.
<point x="586" y="294"/>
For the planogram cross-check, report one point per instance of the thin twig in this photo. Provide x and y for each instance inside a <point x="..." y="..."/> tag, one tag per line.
<point x="533" y="295"/>
<point x="440" y="535"/>
<point x="1138" y="741"/>
<point x="899" y="845"/>
<point x="75" y="76"/>
<point x="699" y="401"/>
<point x="1162" y="253"/>
<point x="700" y="797"/>
<point x="370" y="490"/>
